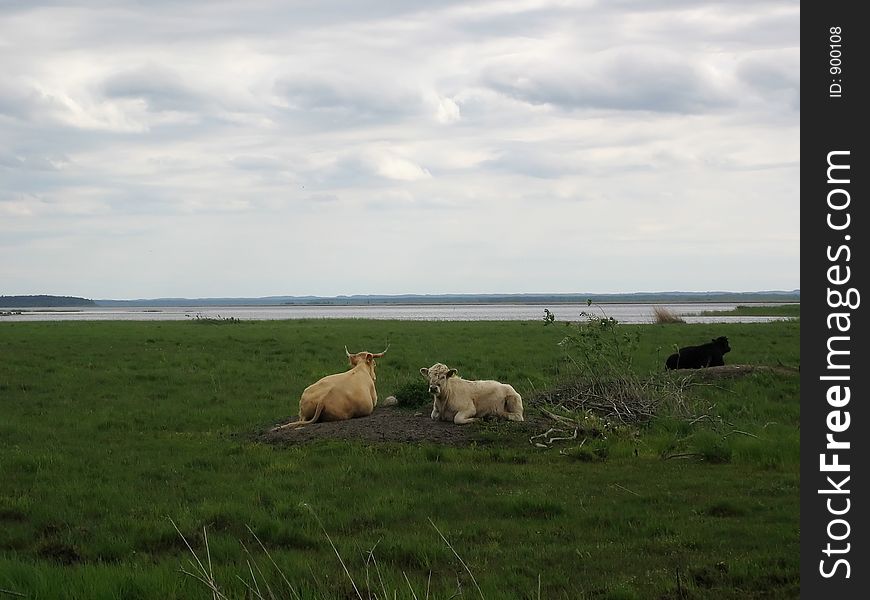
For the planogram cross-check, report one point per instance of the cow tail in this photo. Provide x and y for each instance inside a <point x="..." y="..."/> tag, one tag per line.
<point x="314" y="419"/>
<point x="301" y="422"/>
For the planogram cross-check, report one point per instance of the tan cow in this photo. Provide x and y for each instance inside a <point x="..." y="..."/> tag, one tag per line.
<point x="462" y="401"/>
<point x="341" y="396"/>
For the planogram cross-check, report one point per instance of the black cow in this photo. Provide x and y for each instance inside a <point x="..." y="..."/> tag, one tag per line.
<point x="696" y="357"/>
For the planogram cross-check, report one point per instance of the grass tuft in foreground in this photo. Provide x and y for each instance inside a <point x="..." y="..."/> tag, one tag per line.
<point x="272" y="582"/>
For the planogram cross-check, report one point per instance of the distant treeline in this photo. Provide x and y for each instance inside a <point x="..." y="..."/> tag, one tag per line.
<point x="43" y="301"/>
<point x="549" y="299"/>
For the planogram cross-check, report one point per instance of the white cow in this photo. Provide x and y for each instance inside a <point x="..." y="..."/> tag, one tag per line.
<point x="341" y="396"/>
<point x="462" y="401"/>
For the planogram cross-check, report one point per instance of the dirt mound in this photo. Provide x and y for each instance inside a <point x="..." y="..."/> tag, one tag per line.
<point x="394" y="424"/>
<point x="385" y="424"/>
<point x="731" y="371"/>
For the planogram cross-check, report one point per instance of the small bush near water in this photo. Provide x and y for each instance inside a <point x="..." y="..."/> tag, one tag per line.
<point x="216" y="319"/>
<point x="664" y="315"/>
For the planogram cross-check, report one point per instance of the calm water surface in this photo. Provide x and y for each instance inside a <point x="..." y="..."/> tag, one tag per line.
<point x="624" y="313"/>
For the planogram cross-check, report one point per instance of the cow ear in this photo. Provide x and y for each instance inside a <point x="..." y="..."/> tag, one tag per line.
<point x="370" y="357"/>
<point x="451" y="373"/>
<point x="424" y="372"/>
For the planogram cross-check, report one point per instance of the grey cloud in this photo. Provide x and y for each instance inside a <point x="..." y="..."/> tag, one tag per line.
<point x="347" y="100"/>
<point x="344" y="171"/>
<point x="634" y="80"/>
<point x="257" y="163"/>
<point x="411" y="205"/>
<point x="161" y="88"/>
<point x="716" y="26"/>
<point x="662" y="5"/>
<point x="537" y="22"/>
<point x="533" y="160"/>
<point x="773" y="76"/>
<point x="34" y="174"/>
<point x="21" y="101"/>
<point x="14" y="103"/>
<point x="764" y="75"/>
<point x="772" y="29"/>
<point x="33" y="162"/>
<point x="772" y="73"/>
<point x="321" y="199"/>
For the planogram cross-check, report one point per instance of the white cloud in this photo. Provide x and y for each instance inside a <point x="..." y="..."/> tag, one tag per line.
<point x="534" y="144"/>
<point x="395" y="167"/>
<point x="447" y="110"/>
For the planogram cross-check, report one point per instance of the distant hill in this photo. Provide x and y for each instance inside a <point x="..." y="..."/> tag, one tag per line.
<point x="362" y="300"/>
<point x="43" y="301"/>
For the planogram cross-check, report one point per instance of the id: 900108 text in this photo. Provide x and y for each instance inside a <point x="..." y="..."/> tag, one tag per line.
<point x="835" y="62"/>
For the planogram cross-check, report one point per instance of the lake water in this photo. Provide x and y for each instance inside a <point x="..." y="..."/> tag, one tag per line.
<point x="624" y="313"/>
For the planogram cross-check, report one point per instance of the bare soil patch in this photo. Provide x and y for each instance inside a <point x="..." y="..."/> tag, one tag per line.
<point x="394" y="424"/>
<point x="385" y="424"/>
<point x="733" y="371"/>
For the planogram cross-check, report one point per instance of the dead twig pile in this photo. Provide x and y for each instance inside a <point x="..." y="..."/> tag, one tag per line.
<point x="628" y="400"/>
<point x="734" y="371"/>
<point x="588" y="409"/>
<point x="592" y="407"/>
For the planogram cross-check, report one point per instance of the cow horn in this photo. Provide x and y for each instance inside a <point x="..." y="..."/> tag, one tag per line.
<point x="380" y="354"/>
<point x="346" y="352"/>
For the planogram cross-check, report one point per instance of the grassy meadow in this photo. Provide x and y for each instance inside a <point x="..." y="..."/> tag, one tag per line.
<point x="111" y="429"/>
<point x="782" y="310"/>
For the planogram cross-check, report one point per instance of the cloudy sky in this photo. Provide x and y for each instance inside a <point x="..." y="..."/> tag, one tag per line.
<point x="271" y="147"/>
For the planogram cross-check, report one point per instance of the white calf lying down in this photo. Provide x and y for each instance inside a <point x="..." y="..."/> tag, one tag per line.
<point x="462" y="401"/>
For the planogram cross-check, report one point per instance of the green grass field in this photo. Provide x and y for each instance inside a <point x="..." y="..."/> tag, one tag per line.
<point x="784" y="310"/>
<point x="109" y="430"/>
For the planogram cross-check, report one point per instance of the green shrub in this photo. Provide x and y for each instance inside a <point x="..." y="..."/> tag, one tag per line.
<point x="712" y="447"/>
<point x="413" y="394"/>
<point x="595" y="451"/>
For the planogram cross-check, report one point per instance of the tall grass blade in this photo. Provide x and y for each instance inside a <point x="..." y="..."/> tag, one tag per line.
<point x="208" y="554"/>
<point x="203" y="575"/>
<point x="456" y="554"/>
<point x="410" y="587"/>
<point x="274" y="564"/>
<point x="371" y="557"/>
<point x="334" y="549"/>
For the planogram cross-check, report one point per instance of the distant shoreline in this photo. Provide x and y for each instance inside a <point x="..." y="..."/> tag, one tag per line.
<point x="626" y="312"/>
<point x="532" y="299"/>
<point x="764" y="297"/>
<point x="540" y="303"/>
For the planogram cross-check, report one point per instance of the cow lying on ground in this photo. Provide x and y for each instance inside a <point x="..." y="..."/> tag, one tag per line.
<point x="341" y="396"/>
<point x="697" y="357"/>
<point x="461" y="401"/>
